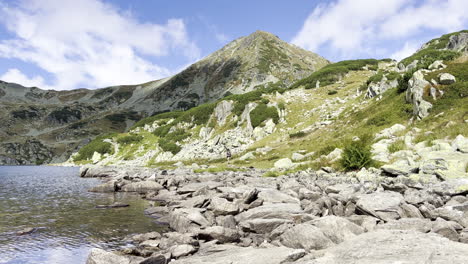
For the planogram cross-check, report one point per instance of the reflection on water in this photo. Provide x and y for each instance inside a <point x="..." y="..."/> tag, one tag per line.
<point x="55" y="200"/>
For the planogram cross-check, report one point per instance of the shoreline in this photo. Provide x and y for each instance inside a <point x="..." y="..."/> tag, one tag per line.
<point x="304" y="217"/>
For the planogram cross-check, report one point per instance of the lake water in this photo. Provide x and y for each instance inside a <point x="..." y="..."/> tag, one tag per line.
<point x="55" y="200"/>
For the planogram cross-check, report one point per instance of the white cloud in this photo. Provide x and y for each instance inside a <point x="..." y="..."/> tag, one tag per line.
<point x="365" y="27"/>
<point x="89" y="43"/>
<point x="16" y="76"/>
<point x="408" y="49"/>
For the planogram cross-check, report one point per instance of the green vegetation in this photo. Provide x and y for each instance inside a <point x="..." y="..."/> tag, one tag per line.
<point x="297" y="134"/>
<point x="441" y="43"/>
<point x="396" y="146"/>
<point x="167" y="145"/>
<point x="333" y="72"/>
<point x="392" y="75"/>
<point x="160" y="116"/>
<point x="270" y="54"/>
<point x="96" y="145"/>
<point x="122" y="117"/>
<point x="129" y="139"/>
<point x="434" y="51"/>
<point x="271" y="174"/>
<point x="403" y="81"/>
<point x="332" y="92"/>
<point x="357" y="154"/>
<point x="263" y="112"/>
<point x="375" y="78"/>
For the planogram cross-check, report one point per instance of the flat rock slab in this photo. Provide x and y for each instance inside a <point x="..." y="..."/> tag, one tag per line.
<point x="396" y="246"/>
<point x="242" y="255"/>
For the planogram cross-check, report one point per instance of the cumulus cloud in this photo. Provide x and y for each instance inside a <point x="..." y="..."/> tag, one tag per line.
<point x="367" y="27"/>
<point x="16" y="76"/>
<point x="89" y="43"/>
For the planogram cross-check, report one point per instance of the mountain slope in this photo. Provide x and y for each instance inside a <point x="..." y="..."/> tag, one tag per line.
<point x="42" y="126"/>
<point x="376" y="105"/>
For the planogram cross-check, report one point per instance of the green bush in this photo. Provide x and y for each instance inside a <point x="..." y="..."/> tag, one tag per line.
<point x="298" y="134"/>
<point x="96" y="145"/>
<point x="177" y="135"/>
<point x="403" y="81"/>
<point x="162" y="131"/>
<point x="281" y="106"/>
<point x="357" y="154"/>
<point x="428" y="55"/>
<point x="375" y="78"/>
<point x="261" y="113"/>
<point x="129" y="139"/>
<point x="198" y="115"/>
<point x="392" y="75"/>
<point x="271" y="174"/>
<point x="332" y="92"/>
<point x="333" y="72"/>
<point x="167" y="145"/>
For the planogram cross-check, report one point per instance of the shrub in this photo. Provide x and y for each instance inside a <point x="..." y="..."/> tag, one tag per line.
<point x="375" y="78"/>
<point x="333" y="72"/>
<point x="96" y="145"/>
<point x="162" y="131"/>
<point x="132" y="138"/>
<point x="357" y="154"/>
<point x="332" y="92"/>
<point x="281" y="106"/>
<point x="428" y="55"/>
<point x="178" y="135"/>
<point x="392" y="75"/>
<point x="298" y="134"/>
<point x="167" y="145"/>
<point x="403" y="81"/>
<point x="261" y="113"/>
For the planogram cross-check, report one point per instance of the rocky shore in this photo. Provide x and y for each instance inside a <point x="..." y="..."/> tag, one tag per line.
<point x="305" y="217"/>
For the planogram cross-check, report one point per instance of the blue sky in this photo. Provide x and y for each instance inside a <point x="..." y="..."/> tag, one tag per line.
<point x="67" y="44"/>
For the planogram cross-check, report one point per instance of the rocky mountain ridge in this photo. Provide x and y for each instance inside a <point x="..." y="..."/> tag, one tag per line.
<point x="58" y="122"/>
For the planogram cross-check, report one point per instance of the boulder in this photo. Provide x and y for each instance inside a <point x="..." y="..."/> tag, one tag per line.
<point x="100" y="256"/>
<point x="221" y="206"/>
<point x="446" y="78"/>
<point x="460" y="143"/>
<point x="269" y="211"/>
<point x="275" y="196"/>
<point x="284" y="164"/>
<point x="414" y="95"/>
<point x="142" y="187"/>
<point x="417" y="224"/>
<point x="297" y="157"/>
<point x="395" y="246"/>
<point x="223" y="235"/>
<point x="384" y="205"/>
<point x="247" y="156"/>
<point x="182" y="250"/>
<point x="436" y="65"/>
<point x="305" y="236"/>
<point x="337" y="229"/>
<point x="223" y="254"/>
<point x="222" y="111"/>
<point x="262" y="226"/>
<point x="446" y="229"/>
<point x="110" y="186"/>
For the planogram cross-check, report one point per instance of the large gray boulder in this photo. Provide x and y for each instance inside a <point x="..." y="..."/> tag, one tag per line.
<point x="221" y="206"/>
<point x="305" y="236"/>
<point x="417" y="224"/>
<point x="100" y="256"/>
<point x="262" y="226"/>
<point x="142" y="187"/>
<point x="269" y="211"/>
<point x="414" y="95"/>
<point x="222" y="111"/>
<point x="446" y="78"/>
<point x="337" y="229"/>
<point x="384" y="205"/>
<point x="224" y="254"/>
<point x="396" y="246"/>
